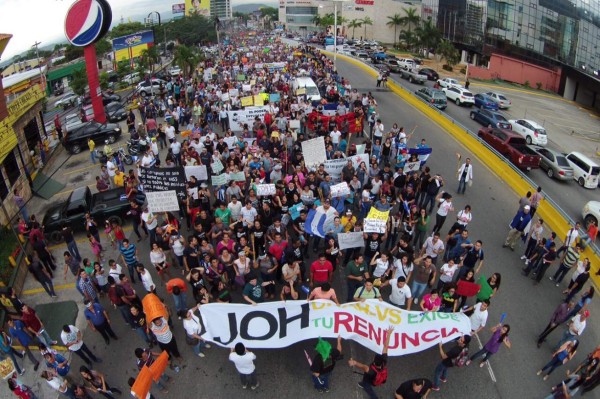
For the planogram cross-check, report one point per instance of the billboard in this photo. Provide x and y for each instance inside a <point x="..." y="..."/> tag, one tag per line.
<point x="197" y="7"/>
<point x="178" y="8"/>
<point x="133" y="40"/>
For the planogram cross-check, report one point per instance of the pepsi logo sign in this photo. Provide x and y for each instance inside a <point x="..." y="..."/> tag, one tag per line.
<point x="87" y="21"/>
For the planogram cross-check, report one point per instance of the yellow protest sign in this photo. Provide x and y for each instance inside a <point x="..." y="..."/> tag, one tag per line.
<point x="265" y="97"/>
<point x="247" y="101"/>
<point x="379" y="215"/>
<point x="258" y="100"/>
<point x="301" y="91"/>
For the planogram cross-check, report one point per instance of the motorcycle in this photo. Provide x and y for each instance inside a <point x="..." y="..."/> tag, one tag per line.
<point x="119" y="152"/>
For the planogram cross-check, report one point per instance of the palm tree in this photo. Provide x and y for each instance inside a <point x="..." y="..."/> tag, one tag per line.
<point x="429" y="36"/>
<point x="152" y="56"/>
<point x="366" y="21"/>
<point x="395" y="21"/>
<point x="317" y="20"/>
<point x="447" y="50"/>
<point x="410" y="18"/>
<point x="407" y="39"/>
<point x="186" y="58"/>
<point x="355" y="23"/>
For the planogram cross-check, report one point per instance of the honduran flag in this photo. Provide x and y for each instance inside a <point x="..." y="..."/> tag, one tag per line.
<point x="315" y="222"/>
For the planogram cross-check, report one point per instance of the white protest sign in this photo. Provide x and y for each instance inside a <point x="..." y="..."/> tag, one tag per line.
<point x="353" y="239"/>
<point x="219" y="180"/>
<point x="162" y="201"/>
<point x="265" y="189"/>
<point x="334" y="166"/>
<point x="411" y="167"/>
<point x="294" y="124"/>
<point x="198" y="171"/>
<point x="314" y="151"/>
<point x="272" y="325"/>
<point x="230" y="141"/>
<point x="234" y="92"/>
<point x="217" y="166"/>
<point x="340" y="190"/>
<point x="225" y="97"/>
<point x="246" y="88"/>
<point x="374" y="226"/>
<point x="238" y="118"/>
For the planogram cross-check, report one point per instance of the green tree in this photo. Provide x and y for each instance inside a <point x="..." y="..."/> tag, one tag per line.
<point x="186" y="58"/>
<point x="241" y="17"/>
<point x="429" y="36"/>
<point x="151" y="56"/>
<point x="192" y="30"/>
<point x="103" y="78"/>
<point x="366" y="21"/>
<point x="79" y="82"/>
<point x="123" y="68"/>
<point x="355" y="23"/>
<point x="407" y="39"/>
<point x="447" y="50"/>
<point x="270" y="11"/>
<point x="411" y="18"/>
<point x="395" y="21"/>
<point x="103" y="46"/>
<point x="126" y="28"/>
<point x="73" y="52"/>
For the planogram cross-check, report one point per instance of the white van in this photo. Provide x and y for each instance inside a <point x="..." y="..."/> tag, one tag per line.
<point x="311" y="89"/>
<point x="585" y="171"/>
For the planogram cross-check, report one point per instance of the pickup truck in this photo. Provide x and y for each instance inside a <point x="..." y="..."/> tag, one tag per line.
<point x="378" y="57"/>
<point x="413" y="76"/>
<point x="107" y="205"/>
<point x="512" y="146"/>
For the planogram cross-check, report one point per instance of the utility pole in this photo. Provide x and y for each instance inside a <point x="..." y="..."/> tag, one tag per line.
<point x="37" y="54"/>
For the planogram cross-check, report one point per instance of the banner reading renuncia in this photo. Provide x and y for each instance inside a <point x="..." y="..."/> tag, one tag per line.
<point x="281" y="324"/>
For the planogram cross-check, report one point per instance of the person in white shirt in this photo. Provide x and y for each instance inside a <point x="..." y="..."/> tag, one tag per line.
<point x="403" y="268"/>
<point x="151" y="222"/>
<point x="433" y="247"/>
<point x="465" y="175"/>
<point x="479" y="316"/>
<point x="335" y="135"/>
<point x="575" y="329"/>
<point x="146" y="278"/>
<point x="193" y="329"/>
<point x="378" y="131"/>
<point x="381" y="263"/>
<point x="244" y="364"/>
<point x="73" y="340"/>
<point x="447" y="273"/>
<point x="235" y="207"/>
<point x="170" y="132"/>
<point x="445" y="207"/>
<point x="115" y="269"/>
<point x="248" y="214"/>
<point x="148" y="159"/>
<point x="401" y="295"/>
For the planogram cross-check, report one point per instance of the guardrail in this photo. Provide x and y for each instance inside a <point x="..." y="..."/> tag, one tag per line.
<point x="558" y="218"/>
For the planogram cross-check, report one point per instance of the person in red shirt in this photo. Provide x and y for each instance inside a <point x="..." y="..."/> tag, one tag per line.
<point x="35" y="326"/>
<point x="278" y="247"/>
<point x="321" y="271"/>
<point x="177" y="288"/>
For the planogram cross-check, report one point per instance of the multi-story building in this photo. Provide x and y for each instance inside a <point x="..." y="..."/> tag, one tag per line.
<point x="221" y="9"/>
<point x="558" y="36"/>
<point x="299" y="15"/>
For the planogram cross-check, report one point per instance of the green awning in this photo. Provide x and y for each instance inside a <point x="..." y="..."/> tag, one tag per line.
<point x="45" y="187"/>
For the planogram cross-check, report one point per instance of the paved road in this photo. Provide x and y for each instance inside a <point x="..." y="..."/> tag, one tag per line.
<point x="284" y="372"/>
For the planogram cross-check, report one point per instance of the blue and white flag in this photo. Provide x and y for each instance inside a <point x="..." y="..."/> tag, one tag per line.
<point x="315" y="222"/>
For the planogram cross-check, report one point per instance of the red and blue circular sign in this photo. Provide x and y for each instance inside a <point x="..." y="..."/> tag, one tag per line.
<point x="87" y="21"/>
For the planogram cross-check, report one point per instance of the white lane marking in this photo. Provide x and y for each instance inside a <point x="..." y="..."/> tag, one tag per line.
<point x="489" y="367"/>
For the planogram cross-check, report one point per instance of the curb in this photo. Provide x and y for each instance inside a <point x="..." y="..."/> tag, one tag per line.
<point x="496" y="165"/>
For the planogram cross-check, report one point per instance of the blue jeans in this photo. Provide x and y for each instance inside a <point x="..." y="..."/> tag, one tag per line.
<point x="72" y="247"/>
<point x="180" y="302"/>
<point x="441" y="372"/>
<point x="198" y="348"/>
<point x="93" y="156"/>
<point x="321" y="382"/>
<point x="485" y="353"/>
<point x="560" y="273"/>
<point x="462" y="186"/>
<point x="44" y="338"/>
<point x="12" y="353"/>
<point x="567" y="336"/>
<point x="24" y="214"/>
<point x="143" y="334"/>
<point x="369" y="390"/>
<point x="418" y="289"/>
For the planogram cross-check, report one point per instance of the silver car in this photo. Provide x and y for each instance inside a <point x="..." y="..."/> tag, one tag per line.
<point x="555" y="163"/>
<point x="500" y="99"/>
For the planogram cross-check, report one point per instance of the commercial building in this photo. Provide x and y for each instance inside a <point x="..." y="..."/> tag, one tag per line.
<point x="221" y="9"/>
<point x="551" y="41"/>
<point x="21" y="132"/>
<point x="62" y="75"/>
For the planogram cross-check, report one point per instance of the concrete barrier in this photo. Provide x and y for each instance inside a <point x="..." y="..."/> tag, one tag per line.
<point x="497" y="165"/>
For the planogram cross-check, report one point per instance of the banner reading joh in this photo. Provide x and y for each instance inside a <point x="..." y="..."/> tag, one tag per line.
<point x="281" y="324"/>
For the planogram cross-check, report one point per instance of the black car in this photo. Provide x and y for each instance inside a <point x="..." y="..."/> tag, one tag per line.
<point x="430" y="73"/>
<point x="115" y="112"/>
<point x="77" y="139"/>
<point x="106" y="99"/>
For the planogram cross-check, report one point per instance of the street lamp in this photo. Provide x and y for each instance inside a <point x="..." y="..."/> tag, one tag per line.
<point x="335" y="4"/>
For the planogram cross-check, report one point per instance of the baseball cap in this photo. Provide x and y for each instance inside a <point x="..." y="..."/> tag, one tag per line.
<point x="526" y="207"/>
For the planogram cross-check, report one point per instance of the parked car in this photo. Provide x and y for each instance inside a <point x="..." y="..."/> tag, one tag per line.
<point x="533" y="132"/>
<point x="174" y="71"/>
<point x="435" y="97"/>
<point x="449" y="82"/>
<point x="413" y="76"/>
<point x="591" y="213"/>
<point x="500" y="99"/>
<point x="393" y="64"/>
<point x="115" y="112"/>
<point x="511" y="146"/>
<point x="106" y="98"/>
<point x="378" y="57"/>
<point x="459" y="96"/>
<point x="87" y="113"/>
<point x="407" y="63"/>
<point x="429" y="73"/>
<point x="146" y="88"/>
<point x="106" y="205"/>
<point x="72" y="121"/>
<point x="585" y="170"/>
<point x="484" y="101"/>
<point x="76" y="139"/>
<point x="362" y="55"/>
<point x="555" y="163"/>
<point x="131" y="78"/>
<point x="490" y="118"/>
<point x="67" y="101"/>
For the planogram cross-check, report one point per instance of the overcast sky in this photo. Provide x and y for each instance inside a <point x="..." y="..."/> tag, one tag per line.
<point x="43" y="20"/>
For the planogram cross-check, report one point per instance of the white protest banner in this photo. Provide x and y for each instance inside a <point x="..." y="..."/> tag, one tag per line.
<point x="374" y="226"/>
<point x="237" y="176"/>
<point x="314" y="152"/>
<point x="360" y="148"/>
<point x="334" y="166"/>
<point x="230" y="141"/>
<point x="353" y="239"/>
<point x="238" y="118"/>
<point x="162" y="201"/>
<point x="219" y="180"/>
<point x="294" y="124"/>
<point x="234" y="92"/>
<point x="217" y="166"/>
<point x="281" y="324"/>
<point x="246" y="88"/>
<point x="410" y="167"/>
<point x="199" y="172"/>
<point x="340" y="190"/>
<point x="225" y="97"/>
<point x="265" y="189"/>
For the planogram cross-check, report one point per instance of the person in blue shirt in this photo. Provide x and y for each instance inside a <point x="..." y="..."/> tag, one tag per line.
<point x="58" y="363"/>
<point x="7" y="350"/>
<point x="17" y="330"/>
<point x="517" y="227"/>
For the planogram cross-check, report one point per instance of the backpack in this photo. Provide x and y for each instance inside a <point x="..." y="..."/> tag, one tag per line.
<point x="380" y="375"/>
<point x="462" y="358"/>
<point x="376" y="295"/>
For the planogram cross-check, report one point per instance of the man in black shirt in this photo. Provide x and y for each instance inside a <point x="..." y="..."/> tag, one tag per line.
<point x="323" y="363"/>
<point x="371" y="372"/>
<point x="441" y="371"/>
<point x="414" y="389"/>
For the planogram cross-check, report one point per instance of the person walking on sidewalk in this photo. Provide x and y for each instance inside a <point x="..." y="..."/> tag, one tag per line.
<point x="517" y="227"/>
<point x="73" y="340"/>
<point x="243" y="360"/>
<point x="98" y="320"/>
<point x="376" y="373"/>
